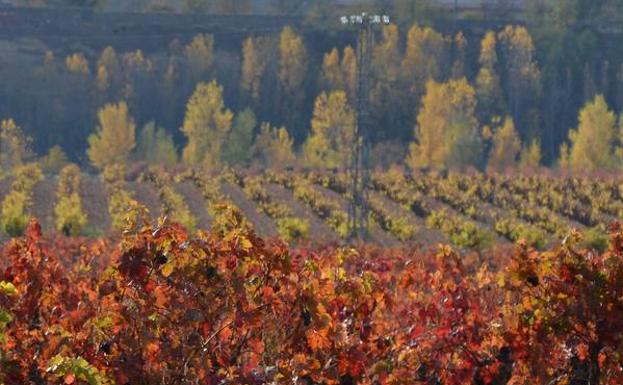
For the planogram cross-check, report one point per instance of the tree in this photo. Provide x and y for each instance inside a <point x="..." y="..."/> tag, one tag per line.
<point x="530" y="157"/>
<point x="70" y="218"/>
<point x="333" y="129"/>
<point x="488" y="81"/>
<point x="273" y="147"/>
<point x="155" y="146"/>
<point x="387" y="94"/>
<point x="506" y="147"/>
<point x="292" y="60"/>
<point x="14" y="146"/>
<point x="340" y="74"/>
<point x="206" y="125"/>
<point x="114" y="138"/>
<point x="459" y="48"/>
<point x="425" y="56"/>
<point x="54" y="160"/>
<point x="199" y="55"/>
<point x="77" y="64"/>
<point x="255" y="58"/>
<point x="108" y="69"/>
<point x="593" y="142"/>
<point x="240" y="139"/>
<point x="331" y="75"/>
<point x="522" y="78"/>
<point x="447" y="133"/>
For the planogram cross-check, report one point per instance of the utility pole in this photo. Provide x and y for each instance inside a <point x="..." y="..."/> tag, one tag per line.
<point x="360" y="164"/>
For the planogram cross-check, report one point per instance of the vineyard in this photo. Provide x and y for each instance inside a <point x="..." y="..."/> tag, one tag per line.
<point x="473" y="212"/>
<point x="244" y="278"/>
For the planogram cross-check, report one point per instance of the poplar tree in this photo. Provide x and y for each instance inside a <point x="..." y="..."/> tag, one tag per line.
<point x="273" y="147"/>
<point x="592" y="144"/>
<point x="206" y="125"/>
<point x="292" y="60"/>
<point x="14" y="146"/>
<point x="240" y="140"/>
<point x="447" y="132"/>
<point x="488" y="86"/>
<point x="506" y="147"/>
<point x="115" y="136"/>
<point x="255" y="59"/>
<point x="522" y="77"/>
<point x="70" y="218"/>
<point x="155" y="146"/>
<point x="199" y="54"/>
<point x="333" y="130"/>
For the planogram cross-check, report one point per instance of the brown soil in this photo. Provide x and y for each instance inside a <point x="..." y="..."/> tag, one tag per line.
<point x="196" y="203"/>
<point x="264" y="226"/>
<point x="319" y="232"/>
<point x="95" y="204"/>
<point x="147" y="195"/>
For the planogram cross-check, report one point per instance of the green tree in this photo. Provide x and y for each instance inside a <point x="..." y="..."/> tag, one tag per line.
<point x="115" y="136"/>
<point x="506" y="147"/>
<point x="593" y="142"/>
<point x="206" y="125"/>
<point x="155" y="146"/>
<point x="273" y="147"/>
<point x="333" y="130"/>
<point x="240" y="139"/>
<point x="447" y="132"/>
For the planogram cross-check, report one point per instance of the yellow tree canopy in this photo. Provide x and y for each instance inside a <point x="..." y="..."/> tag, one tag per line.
<point x="206" y="125"/>
<point x="255" y="58"/>
<point x="115" y="136"/>
<point x="273" y="147"/>
<point x="292" y="60"/>
<point x="77" y="64"/>
<point x="14" y="145"/>
<point x="200" y="55"/>
<point x="425" y="53"/>
<point x="530" y="157"/>
<point x="506" y="147"/>
<point x="447" y="132"/>
<point x="333" y="130"/>
<point x="593" y="142"/>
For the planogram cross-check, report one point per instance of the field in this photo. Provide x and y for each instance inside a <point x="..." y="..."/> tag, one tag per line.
<point x="470" y="211"/>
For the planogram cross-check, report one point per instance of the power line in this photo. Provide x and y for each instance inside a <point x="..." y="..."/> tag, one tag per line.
<point x="358" y="211"/>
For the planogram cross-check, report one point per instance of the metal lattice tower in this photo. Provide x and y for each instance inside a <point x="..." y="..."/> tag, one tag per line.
<point x="358" y="210"/>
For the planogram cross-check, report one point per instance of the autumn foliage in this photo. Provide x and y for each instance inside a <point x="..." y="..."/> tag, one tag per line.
<point x="162" y="306"/>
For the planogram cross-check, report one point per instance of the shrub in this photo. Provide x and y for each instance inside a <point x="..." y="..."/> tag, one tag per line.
<point x="17" y="202"/>
<point x="70" y="218"/>
<point x="293" y="229"/>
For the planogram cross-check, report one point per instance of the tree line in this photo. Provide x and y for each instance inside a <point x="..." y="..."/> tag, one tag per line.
<point x="437" y="100"/>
